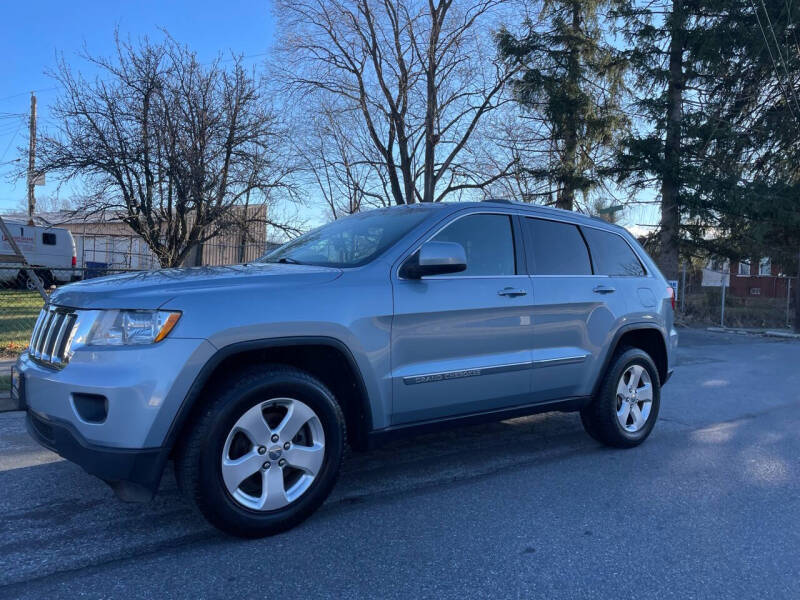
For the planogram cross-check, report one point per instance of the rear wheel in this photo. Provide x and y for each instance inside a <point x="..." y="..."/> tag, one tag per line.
<point x="625" y="409"/>
<point x="264" y="453"/>
<point x="25" y="282"/>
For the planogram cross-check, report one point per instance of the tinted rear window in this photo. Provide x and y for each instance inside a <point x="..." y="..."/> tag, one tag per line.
<point x="611" y="254"/>
<point x="556" y="248"/>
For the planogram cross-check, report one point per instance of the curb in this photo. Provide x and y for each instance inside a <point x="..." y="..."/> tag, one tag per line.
<point x="7" y="404"/>
<point x="783" y="334"/>
<point x="759" y="332"/>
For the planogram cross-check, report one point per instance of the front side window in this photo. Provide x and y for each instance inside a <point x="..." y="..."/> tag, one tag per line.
<point x="611" y="254"/>
<point x="488" y="242"/>
<point x="556" y="248"/>
<point x="351" y="241"/>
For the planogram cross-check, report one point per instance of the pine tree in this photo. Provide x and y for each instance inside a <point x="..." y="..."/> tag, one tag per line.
<point x="652" y="155"/>
<point x="709" y="122"/>
<point x="571" y="77"/>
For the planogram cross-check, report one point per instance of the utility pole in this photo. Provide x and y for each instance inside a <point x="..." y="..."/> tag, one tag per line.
<point x="32" y="160"/>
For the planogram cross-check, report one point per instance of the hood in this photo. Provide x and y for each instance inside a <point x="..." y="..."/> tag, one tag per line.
<point x="153" y="289"/>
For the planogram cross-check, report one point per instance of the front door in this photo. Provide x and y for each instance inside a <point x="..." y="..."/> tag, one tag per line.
<point x="461" y="342"/>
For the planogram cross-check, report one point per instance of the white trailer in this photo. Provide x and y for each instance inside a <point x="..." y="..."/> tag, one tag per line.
<point x="50" y="252"/>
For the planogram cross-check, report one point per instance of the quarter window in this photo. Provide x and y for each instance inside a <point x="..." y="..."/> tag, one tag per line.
<point x="556" y="248"/>
<point x="49" y="239"/>
<point x="611" y="254"/>
<point x="488" y="243"/>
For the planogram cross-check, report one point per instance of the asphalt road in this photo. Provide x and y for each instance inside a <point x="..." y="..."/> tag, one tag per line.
<point x="708" y="507"/>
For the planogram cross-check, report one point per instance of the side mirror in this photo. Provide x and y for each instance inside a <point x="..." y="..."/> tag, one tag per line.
<point x="435" y="258"/>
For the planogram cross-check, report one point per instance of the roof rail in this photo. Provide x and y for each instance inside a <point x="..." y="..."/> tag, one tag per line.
<point x="499" y="200"/>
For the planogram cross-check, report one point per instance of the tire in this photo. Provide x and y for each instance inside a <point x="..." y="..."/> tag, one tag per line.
<point x="47" y="278"/>
<point x="218" y="449"/>
<point x="26" y="283"/>
<point x="603" y="417"/>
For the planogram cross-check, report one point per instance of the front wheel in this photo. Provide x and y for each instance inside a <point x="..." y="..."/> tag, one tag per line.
<point x="625" y="409"/>
<point x="264" y="452"/>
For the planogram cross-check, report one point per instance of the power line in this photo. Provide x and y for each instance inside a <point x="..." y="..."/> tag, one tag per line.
<point x="780" y="55"/>
<point x="47" y="89"/>
<point x="11" y="141"/>
<point x="774" y="62"/>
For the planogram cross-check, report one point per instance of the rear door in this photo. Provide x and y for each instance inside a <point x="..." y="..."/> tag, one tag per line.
<point x="614" y="258"/>
<point x="461" y="342"/>
<point x="574" y="309"/>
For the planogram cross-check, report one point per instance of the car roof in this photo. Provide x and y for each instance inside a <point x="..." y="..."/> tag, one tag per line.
<point x="558" y="214"/>
<point x="547" y="212"/>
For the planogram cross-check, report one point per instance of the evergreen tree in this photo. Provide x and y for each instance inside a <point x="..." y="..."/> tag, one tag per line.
<point x="571" y="77"/>
<point x="712" y="124"/>
<point x="752" y="201"/>
<point x="652" y="155"/>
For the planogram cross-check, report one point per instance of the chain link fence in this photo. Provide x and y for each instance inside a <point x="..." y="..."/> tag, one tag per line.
<point x="716" y="297"/>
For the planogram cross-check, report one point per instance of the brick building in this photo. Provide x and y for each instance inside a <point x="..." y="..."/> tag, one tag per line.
<point x="748" y="278"/>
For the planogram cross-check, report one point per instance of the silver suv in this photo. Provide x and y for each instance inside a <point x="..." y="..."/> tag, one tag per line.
<point x="253" y="378"/>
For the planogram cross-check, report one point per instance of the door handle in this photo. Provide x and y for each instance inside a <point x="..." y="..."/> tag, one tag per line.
<point x="511" y="292"/>
<point x="604" y="289"/>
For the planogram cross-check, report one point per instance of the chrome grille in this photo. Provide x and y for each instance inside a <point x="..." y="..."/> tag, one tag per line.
<point x="51" y="336"/>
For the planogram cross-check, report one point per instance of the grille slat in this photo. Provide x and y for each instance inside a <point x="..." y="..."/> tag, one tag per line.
<point x="52" y="332"/>
<point x="37" y="333"/>
<point x="51" y="335"/>
<point x="62" y="337"/>
<point x="38" y="327"/>
<point x="38" y="346"/>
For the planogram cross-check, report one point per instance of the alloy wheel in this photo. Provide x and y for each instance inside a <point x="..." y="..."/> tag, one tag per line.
<point x="272" y="454"/>
<point x="634" y="398"/>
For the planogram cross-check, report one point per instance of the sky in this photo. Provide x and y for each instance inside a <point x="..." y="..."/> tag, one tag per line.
<point x="32" y="34"/>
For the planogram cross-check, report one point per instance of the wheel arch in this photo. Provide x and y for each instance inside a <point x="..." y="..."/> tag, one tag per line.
<point x="327" y="359"/>
<point x="648" y="337"/>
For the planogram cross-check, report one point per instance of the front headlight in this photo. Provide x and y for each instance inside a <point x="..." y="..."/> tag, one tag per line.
<point x="131" y="327"/>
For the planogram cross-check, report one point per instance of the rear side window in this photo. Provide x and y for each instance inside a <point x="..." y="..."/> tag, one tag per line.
<point x="556" y="248"/>
<point x="49" y="239"/>
<point x="611" y="254"/>
<point x="488" y="243"/>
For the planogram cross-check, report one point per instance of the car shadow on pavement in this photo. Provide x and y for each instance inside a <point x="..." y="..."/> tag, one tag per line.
<point x="57" y="517"/>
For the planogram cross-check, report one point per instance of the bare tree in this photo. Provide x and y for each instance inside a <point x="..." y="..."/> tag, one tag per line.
<point x="338" y="159"/>
<point x="52" y="203"/>
<point x="172" y="146"/>
<point x="420" y="75"/>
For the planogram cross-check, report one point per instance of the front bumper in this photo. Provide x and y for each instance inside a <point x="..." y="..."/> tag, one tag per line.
<point x="142" y="389"/>
<point x="134" y="475"/>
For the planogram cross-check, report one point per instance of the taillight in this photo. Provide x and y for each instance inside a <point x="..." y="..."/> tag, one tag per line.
<point x="74" y="261"/>
<point x="671" y="296"/>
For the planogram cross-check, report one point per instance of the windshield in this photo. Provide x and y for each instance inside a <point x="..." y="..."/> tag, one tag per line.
<point x="351" y="241"/>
